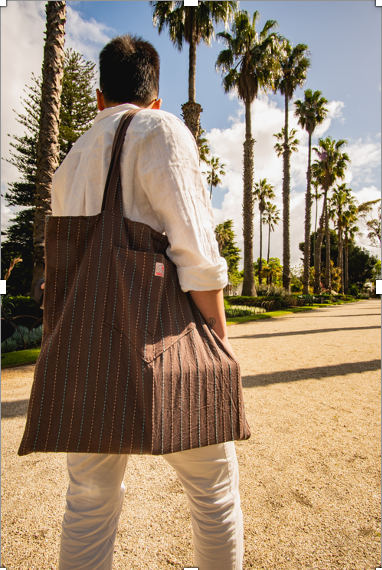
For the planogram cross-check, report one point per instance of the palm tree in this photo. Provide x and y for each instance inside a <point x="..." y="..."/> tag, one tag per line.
<point x="191" y="24"/>
<point x="341" y="198"/>
<point x="271" y="219"/>
<point x="350" y="231"/>
<point x="48" y="144"/>
<point x="216" y="169"/>
<point x="331" y="164"/>
<point x="310" y="113"/>
<point x="317" y="195"/>
<point x="250" y="63"/>
<point x="294" y="65"/>
<point x="262" y="191"/>
<point x="292" y="143"/>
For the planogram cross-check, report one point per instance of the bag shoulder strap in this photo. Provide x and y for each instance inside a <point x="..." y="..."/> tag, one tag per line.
<point x="112" y="187"/>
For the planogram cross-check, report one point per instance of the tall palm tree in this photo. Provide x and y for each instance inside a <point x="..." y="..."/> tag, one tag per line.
<point x="330" y="165"/>
<point x="191" y="24"/>
<point x="271" y="219"/>
<point x="249" y="64"/>
<point x="350" y="231"/>
<point x="316" y="196"/>
<point x="262" y="191"/>
<point x="341" y="197"/>
<point x="48" y="143"/>
<point x="216" y="169"/>
<point x="292" y="143"/>
<point x="310" y="113"/>
<point x="294" y="65"/>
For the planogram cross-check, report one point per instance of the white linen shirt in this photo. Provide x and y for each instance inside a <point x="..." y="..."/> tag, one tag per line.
<point x="161" y="186"/>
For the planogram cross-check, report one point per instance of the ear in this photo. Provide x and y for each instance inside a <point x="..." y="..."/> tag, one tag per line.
<point x="100" y="100"/>
<point x="157" y="104"/>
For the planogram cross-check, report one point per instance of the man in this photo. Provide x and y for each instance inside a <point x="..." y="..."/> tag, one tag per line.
<point x="162" y="187"/>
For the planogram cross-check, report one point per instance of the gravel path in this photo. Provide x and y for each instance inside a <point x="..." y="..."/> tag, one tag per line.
<point x="310" y="474"/>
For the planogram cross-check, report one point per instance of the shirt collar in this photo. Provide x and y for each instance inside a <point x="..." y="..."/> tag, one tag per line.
<point x="114" y="110"/>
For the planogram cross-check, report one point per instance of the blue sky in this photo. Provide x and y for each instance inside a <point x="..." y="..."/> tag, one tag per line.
<point x="344" y="38"/>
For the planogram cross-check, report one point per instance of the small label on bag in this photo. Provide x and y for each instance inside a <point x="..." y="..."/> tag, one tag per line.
<point x="159" y="269"/>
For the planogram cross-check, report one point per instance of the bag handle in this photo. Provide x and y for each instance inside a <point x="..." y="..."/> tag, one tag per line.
<point x="112" y="187"/>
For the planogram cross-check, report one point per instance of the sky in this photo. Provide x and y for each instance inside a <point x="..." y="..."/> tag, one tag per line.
<point x="344" y="40"/>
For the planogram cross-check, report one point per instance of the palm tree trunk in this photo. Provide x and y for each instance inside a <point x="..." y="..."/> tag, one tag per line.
<point x="269" y="243"/>
<point x="192" y="69"/>
<point x="346" y="265"/>
<point x="340" y="256"/>
<point x="315" y="231"/>
<point x="317" y="253"/>
<point x="286" y="204"/>
<point x="249" y="288"/>
<point x="328" y="282"/>
<point x="191" y="110"/>
<point x="261" y="248"/>
<point x="48" y="144"/>
<point x="308" y="206"/>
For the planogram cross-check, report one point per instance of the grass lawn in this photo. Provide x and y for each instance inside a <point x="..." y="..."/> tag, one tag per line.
<point x="19" y="357"/>
<point x="270" y="315"/>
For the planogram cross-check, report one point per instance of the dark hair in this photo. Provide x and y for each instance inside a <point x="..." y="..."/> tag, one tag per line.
<point x="129" y="71"/>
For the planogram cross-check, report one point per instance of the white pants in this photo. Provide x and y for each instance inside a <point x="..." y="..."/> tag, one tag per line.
<point x="210" y="479"/>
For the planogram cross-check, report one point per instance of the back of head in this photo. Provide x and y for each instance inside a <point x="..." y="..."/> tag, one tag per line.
<point x="129" y="71"/>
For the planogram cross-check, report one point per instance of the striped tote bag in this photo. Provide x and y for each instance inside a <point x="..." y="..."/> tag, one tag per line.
<point x="127" y="364"/>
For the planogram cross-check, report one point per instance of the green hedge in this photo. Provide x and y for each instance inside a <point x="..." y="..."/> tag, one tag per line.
<point x="268" y="303"/>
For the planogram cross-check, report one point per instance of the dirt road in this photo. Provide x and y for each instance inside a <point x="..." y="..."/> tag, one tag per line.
<point x="310" y="474"/>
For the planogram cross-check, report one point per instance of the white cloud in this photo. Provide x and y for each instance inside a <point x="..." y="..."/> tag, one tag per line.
<point x="85" y="36"/>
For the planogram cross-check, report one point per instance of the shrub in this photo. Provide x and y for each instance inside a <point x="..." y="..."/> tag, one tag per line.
<point x="15" y="342"/>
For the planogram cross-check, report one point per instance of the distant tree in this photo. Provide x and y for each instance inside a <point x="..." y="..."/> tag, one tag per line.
<point x="292" y="143"/>
<point x="294" y="65"/>
<point x="249" y="64"/>
<point x="274" y="271"/>
<point x="204" y="149"/>
<point x="310" y="113"/>
<point x="78" y="84"/>
<point x="330" y="165"/>
<point x="262" y="191"/>
<point x="216" y="169"/>
<point x="191" y="24"/>
<point x="271" y="219"/>
<point x="228" y="249"/>
<point x="340" y="200"/>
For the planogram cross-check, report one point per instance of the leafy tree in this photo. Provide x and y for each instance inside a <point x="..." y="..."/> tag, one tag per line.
<point x="359" y="264"/>
<point x="216" y="169"/>
<point x="274" y="271"/>
<point x="228" y="249"/>
<point x="271" y="219"/>
<point x="310" y="113"/>
<point x="330" y="165"/>
<point x="192" y="24"/>
<point x="78" y="81"/>
<point x="78" y="104"/>
<point x="204" y="149"/>
<point x="249" y="64"/>
<point x="294" y="65"/>
<point x="48" y="142"/>
<point x="262" y="191"/>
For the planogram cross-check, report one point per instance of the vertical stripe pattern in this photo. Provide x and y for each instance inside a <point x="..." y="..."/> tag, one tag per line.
<point x="127" y="363"/>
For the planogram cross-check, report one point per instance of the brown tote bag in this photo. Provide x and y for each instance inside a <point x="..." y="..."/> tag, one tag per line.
<point x="127" y="363"/>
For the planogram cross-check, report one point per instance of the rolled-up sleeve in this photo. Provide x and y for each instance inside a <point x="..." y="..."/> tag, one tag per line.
<point x="168" y="172"/>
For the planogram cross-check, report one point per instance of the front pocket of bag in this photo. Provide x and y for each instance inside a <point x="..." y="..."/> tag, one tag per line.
<point x="135" y="289"/>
